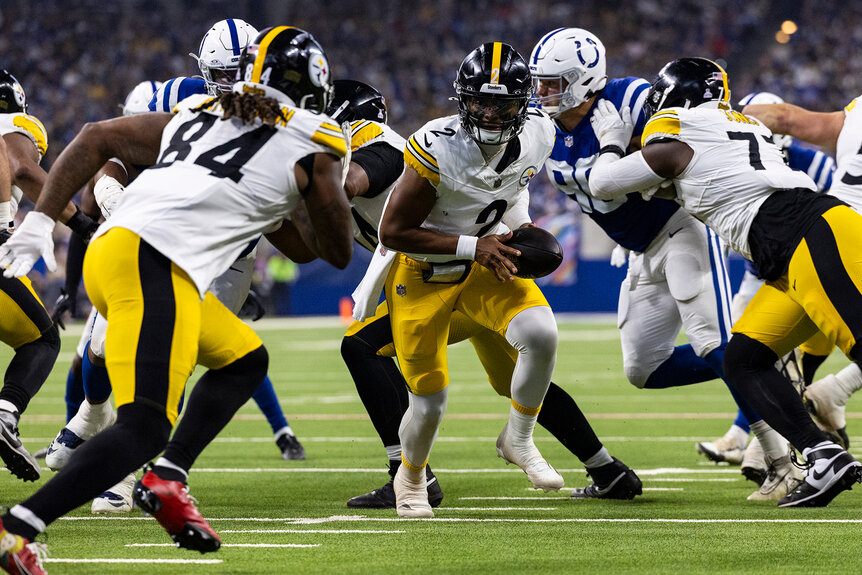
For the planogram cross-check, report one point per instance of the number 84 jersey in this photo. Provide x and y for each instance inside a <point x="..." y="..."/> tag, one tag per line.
<point x="219" y="184"/>
<point x="735" y="167"/>
<point x="474" y="195"/>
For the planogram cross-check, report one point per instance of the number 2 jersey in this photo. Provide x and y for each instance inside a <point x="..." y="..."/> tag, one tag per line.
<point x="219" y="184"/>
<point x="734" y="169"/>
<point x="474" y="195"/>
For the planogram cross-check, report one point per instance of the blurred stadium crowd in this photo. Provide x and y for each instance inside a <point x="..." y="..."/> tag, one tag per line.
<point x="78" y="59"/>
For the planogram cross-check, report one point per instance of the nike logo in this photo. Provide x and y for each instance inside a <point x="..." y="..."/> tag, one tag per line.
<point x="818" y="476"/>
<point x="671" y="234"/>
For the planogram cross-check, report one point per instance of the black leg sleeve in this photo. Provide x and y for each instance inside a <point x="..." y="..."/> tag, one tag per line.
<point x="139" y="434"/>
<point x="29" y="369"/>
<point x="809" y="366"/>
<point x="216" y="397"/>
<point x="749" y="366"/>
<point x="378" y="381"/>
<point x="562" y="417"/>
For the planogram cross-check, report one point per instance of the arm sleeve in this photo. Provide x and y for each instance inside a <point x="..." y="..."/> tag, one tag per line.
<point x="519" y="213"/>
<point x="382" y="163"/>
<point x="613" y="177"/>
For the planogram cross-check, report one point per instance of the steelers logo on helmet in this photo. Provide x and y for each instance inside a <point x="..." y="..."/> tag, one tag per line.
<point x="688" y="83"/>
<point x="289" y="62"/>
<point x="12" y="98"/>
<point x="493" y="87"/>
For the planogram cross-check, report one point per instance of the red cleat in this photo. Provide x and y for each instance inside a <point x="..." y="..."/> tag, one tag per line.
<point x="18" y="556"/>
<point x="170" y="504"/>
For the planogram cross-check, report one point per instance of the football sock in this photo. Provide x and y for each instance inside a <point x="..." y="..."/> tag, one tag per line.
<point x="74" y="388"/>
<point x="378" y="381"/>
<point x="602" y="457"/>
<point x="562" y="417"/>
<point x="810" y="363"/>
<point x="849" y="380"/>
<point x="533" y="334"/>
<point x="29" y="368"/>
<point x="139" y="434"/>
<point x="683" y="367"/>
<point x="742" y="422"/>
<point x="419" y="427"/>
<point x="715" y="359"/>
<point x="393" y="452"/>
<point x="91" y="419"/>
<point x="21" y="521"/>
<point x="266" y="399"/>
<point x="750" y="367"/>
<point x="170" y="471"/>
<point x="774" y="446"/>
<point x="216" y="397"/>
<point x="97" y="384"/>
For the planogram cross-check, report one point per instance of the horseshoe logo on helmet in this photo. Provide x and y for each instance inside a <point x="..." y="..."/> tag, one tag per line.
<point x="581" y="56"/>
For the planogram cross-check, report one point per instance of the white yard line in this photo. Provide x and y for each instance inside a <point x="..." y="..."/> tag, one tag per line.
<point x="154" y="561"/>
<point x="498" y="508"/>
<point x="230" y="545"/>
<point x="314" y="531"/>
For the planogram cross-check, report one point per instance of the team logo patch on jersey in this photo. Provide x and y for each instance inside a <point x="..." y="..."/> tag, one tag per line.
<point x="401" y="290"/>
<point x="318" y="70"/>
<point x="498" y="182"/>
<point x="527" y="175"/>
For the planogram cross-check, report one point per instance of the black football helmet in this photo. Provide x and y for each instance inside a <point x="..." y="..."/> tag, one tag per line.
<point x="493" y="87"/>
<point x="353" y="100"/>
<point x="687" y="83"/>
<point x="12" y="98"/>
<point x="291" y="61"/>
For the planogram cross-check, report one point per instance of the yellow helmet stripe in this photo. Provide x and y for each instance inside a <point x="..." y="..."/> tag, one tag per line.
<point x="261" y="51"/>
<point x="726" y="94"/>
<point x="496" y="55"/>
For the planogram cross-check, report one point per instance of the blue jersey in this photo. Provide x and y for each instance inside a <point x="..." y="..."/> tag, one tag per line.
<point x="817" y="165"/>
<point x="175" y="91"/>
<point x="630" y="221"/>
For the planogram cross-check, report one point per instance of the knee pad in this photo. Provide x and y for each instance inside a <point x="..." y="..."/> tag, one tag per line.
<point x="637" y="376"/>
<point x="535" y="330"/>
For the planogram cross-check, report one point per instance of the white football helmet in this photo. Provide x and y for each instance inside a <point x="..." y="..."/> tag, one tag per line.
<point x="218" y="57"/>
<point x="781" y="140"/>
<point x="138" y="100"/>
<point x="568" y="67"/>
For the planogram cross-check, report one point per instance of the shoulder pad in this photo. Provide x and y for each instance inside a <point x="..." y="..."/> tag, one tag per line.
<point x="174" y="91"/>
<point x="30" y="126"/>
<point x="418" y="155"/>
<point x="331" y="136"/>
<point x="363" y="132"/>
<point x="664" y="124"/>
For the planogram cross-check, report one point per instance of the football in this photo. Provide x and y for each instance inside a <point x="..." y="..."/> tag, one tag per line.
<point x="541" y="253"/>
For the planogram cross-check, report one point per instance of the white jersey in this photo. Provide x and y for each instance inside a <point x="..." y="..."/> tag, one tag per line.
<point x="847" y="180"/>
<point x="31" y="127"/>
<point x="735" y="167"/>
<point x="367" y="212"/>
<point x="472" y="196"/>
<point x="218" y="184"/>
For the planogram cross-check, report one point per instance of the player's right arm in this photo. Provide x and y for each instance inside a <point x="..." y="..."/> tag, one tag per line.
<point x="133" y="139"/>
<point x="818" y="128"/>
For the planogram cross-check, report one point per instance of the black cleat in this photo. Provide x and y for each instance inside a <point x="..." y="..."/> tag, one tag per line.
<point x="614" y="480"/>
<point x="831" y="470"/>
<point x="18" y="460"/>
<point x="290" y="447"/>
<point x="384" y="497"/>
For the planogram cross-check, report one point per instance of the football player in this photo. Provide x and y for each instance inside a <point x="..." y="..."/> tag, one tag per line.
<point x="377" y="161"/>
<point x="218" y="60"/>
<point x="726" y="171"/>
<point x="731" y="445"/>
<point x="464" y="176"/>
<point x="840" y="131"/>
<point x="248" y="158"/>
<point x="676" y="273"/>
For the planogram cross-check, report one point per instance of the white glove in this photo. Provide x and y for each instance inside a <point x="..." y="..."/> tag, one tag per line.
<point x="619" y="256"/>
<point x="612" y="128"/>
<point x="665" y="190"/>
<point x="345" y="161"/>
<point x="107" y="191"/>
<point x="33" y="239"/>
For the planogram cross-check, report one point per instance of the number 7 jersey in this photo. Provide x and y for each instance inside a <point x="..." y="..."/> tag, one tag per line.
<point x="473" y="195"/>
<point x="735" y="167"/>
<point x="219" y="184"/>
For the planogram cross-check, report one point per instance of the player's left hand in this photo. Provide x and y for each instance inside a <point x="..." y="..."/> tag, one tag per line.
<point x="612" y="128"/>
<point x="32" y="240"/>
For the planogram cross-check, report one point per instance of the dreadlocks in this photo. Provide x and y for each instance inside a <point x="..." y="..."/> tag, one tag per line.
<point x="246" y="107"/>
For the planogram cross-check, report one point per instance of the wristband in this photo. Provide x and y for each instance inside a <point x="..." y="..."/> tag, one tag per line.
<point x="614" y="149"/>
<point x="5" y="212"/>
<point x="466" y="247"/>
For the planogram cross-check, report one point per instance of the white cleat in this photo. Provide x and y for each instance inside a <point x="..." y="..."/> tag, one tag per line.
<point x="411" y="499"/>
<point x="782" y="477"/>
<point x="730" y="447"/>
<point x="62" y="449"/>
<point x="527" y="457"/>
<point x="826" y="401"/>
<point x="117" y="499"/>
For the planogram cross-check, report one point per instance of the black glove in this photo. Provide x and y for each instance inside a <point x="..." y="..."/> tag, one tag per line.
<point x="64" y="304"/>
<point x="253" y="306"/>
<point x="83" y="225"/>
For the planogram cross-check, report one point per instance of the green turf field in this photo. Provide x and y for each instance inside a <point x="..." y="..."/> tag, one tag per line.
<point x="279" y="516"/>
